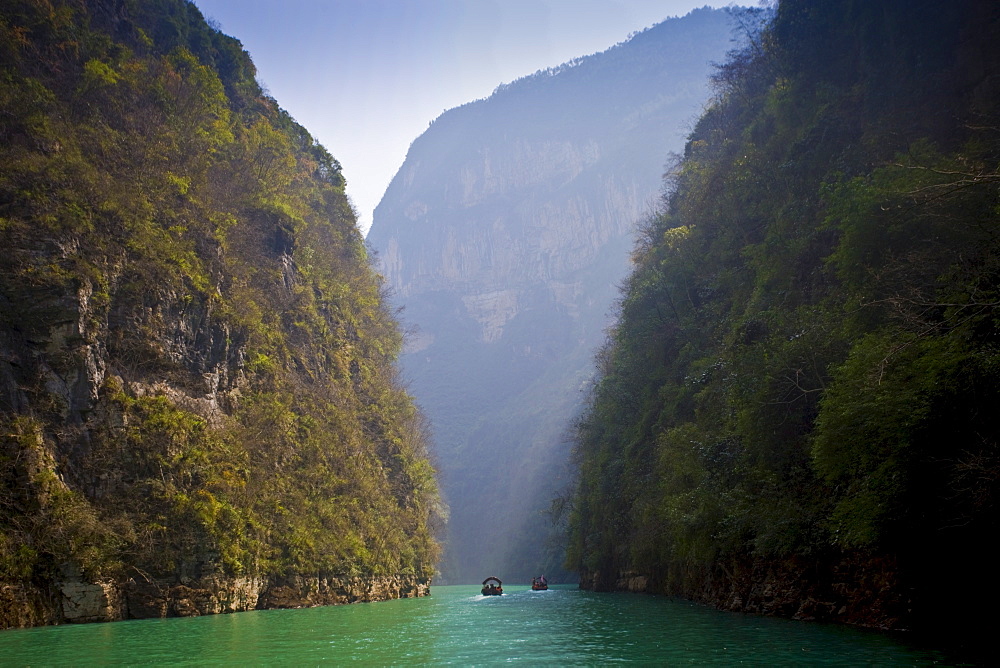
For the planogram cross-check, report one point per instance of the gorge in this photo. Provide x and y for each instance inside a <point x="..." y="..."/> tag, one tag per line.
<point x="708" y="318"/>
<point x="504" y="236"/>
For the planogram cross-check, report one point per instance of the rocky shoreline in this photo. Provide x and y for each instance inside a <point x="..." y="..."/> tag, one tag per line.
<point x="75" y="600"/>
<point x="866" y="593"/>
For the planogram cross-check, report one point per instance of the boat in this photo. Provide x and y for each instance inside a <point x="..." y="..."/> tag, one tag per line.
<point x="492" y="587"/>
<point x="539" y="583"/>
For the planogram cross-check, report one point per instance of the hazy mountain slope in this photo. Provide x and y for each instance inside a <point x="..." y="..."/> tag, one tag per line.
<point x="504" y="235"/>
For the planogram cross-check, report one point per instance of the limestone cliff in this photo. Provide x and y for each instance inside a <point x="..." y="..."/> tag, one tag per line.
<point x="78" y="600"/>
<point x="504" y="235"/>
<point x="197" y="380"/>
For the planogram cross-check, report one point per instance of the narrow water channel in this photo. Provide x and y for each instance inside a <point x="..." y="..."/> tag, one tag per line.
<point x="563" y="626"/>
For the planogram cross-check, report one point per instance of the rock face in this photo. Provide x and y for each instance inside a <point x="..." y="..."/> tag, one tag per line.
<point x="504" y="235"/>
<point x="861" y="591"/>
<point x="76" y="600"/>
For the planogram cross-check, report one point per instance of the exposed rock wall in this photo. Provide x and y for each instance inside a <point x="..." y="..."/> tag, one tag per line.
<point x="63" y="344"/>
<point x="23" y="604"/>
<point x="847" y="590"/>
<point x="77" y="601"/>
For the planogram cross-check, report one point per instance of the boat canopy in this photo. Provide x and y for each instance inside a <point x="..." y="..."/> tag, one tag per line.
<point x="497" y="580"/>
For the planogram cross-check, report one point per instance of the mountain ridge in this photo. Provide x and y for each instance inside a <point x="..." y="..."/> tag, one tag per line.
<point x="503" y="235"/>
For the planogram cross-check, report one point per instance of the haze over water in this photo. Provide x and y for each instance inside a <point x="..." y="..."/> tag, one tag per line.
<point x="563" y="626"/>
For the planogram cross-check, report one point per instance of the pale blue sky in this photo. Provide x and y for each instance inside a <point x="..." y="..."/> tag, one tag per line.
<point x="366" y="77"/>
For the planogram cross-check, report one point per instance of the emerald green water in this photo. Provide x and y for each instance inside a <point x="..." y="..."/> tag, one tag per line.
<point x="563" y="626"/>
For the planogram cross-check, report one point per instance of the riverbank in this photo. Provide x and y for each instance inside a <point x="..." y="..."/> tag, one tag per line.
<point x="859" y="592"/>
<point x="75" y="600"/>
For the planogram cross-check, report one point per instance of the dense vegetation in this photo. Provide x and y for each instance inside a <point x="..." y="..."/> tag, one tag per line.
<point x="196" y="361"/>
<point x="805" y="368"/>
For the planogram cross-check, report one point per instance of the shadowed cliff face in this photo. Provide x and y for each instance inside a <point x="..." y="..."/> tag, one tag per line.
<point x="504" y="236"/>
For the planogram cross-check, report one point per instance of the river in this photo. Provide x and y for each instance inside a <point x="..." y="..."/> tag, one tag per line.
<point x="455" y="625"/>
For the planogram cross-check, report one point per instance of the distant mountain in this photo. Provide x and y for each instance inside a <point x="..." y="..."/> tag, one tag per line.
<point x="504" y="235"/>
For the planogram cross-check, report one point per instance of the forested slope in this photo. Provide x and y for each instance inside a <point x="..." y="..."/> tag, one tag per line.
<point x="796" y="412"/>
<point x="196" y="363"/>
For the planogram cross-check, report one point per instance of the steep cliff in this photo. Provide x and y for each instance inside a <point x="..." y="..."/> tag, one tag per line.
<point x="504" y="235"/>
<point x="796" y="410"/>
<point x="197" y="381"/>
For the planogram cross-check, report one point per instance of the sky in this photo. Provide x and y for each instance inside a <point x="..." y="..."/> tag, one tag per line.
<point x="366" y="77"/>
